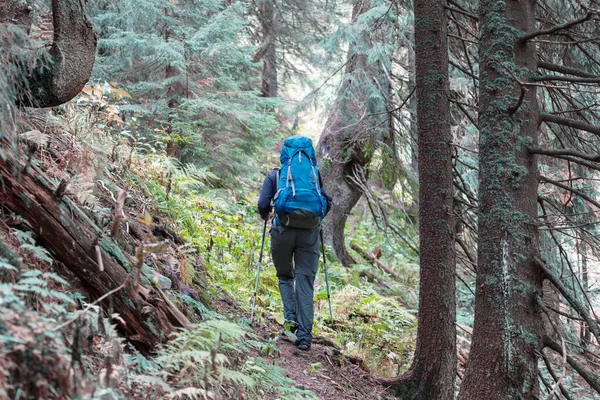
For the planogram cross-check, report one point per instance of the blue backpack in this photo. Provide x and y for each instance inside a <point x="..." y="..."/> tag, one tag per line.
<point x="299" y="202"/>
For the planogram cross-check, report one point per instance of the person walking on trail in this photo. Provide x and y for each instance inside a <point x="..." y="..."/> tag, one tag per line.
<point x="296" y="192"/>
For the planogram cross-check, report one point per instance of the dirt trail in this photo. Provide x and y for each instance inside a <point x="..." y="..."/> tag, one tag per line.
<point x="322" y="370"/>
<point x="328" y="380"/>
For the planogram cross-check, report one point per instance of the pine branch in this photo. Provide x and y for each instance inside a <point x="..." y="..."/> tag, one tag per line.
<point x="564" y="314"/>
<point x="570" y="189"/>
<point x="573" y="302"/>
<point x="592" y="379"/>
<point x="545" y="78"/>
<point x="466" y="113"/>
<point x="463" y="70"/>
<point x="590" y="14"/>
<point x="565" y="70"/>
<point x="463" y="12"/>
<point x="555" y="377"/>
<point x="462" y="38"/>
<point x="572" y="123"/>
<point x="565" y="152"/>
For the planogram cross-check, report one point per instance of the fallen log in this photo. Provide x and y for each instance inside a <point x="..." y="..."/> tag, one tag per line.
<point x="74" y="239"/>
<point x="373" y="260"/>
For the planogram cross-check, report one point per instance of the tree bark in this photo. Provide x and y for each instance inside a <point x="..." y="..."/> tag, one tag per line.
<point x="72" y="58"/>
<point x="175" y="90"/>
<point x="268" y="51"/>
<point x="354" y="126"/>
<point x="72" y="238"/>
<point x="503" y="362"/>
<point x="433" y="371"/>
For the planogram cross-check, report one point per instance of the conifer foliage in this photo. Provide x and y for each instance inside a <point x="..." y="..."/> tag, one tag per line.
<point x="185" y="96"/>
<point x="187" y="70"/>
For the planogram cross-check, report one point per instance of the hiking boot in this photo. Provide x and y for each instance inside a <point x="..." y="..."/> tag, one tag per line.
<point x="290" y="326"/>
<point x="304" y="346"/>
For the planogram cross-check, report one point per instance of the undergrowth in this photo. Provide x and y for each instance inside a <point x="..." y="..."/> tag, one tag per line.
<point x="369" y="321"/>
<point x="220" y="224"/>
<point x="49" y="349"/>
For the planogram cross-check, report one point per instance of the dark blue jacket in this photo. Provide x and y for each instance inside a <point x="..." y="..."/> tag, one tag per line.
<point x="269" y="188"/>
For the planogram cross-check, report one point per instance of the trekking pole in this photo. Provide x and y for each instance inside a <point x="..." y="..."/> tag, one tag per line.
<point x="326" y="277"/>
<point x="262" y="246"/>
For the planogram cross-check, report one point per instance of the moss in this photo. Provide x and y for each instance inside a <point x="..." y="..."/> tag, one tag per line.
<point x="110" y="247"/>
<point x="150" y="324"/>
<point x="423" y="23"/>
<point x="434" y="78"/>
<point x="42" y="180"/>
<point x="26" y="200"/>
<point x="64" y="220"/>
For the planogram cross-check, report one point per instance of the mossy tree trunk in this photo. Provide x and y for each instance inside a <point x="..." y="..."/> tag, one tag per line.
<point x="72" y="53"/>
<point x="503" y="362"/>
<point x="175" y="93"/>
<point x="268" y="50"/>
<point x="432" y="373"/>
<point x="354" y="126"/>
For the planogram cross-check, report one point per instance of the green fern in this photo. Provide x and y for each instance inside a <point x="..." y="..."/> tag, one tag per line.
<point x="29" y="245"/>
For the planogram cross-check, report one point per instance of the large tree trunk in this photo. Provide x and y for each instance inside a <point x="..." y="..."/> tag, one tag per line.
<point x="431" y="375"/>
<point x="72" y="238"/>
<point x="353" y="128"/>
<point x="508" y="327"/>
<point x="175" y="91"/>
<point x="72" y="55"/>
<point x="268" y="50"/>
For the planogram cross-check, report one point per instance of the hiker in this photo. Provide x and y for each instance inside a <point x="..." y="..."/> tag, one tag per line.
<point x="296" y="192"/>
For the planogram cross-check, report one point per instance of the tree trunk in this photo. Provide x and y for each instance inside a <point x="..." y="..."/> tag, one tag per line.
<point x="175" y="90"/>
<point x="412" y="103"/>
<point x="72" y="58"/>
<point x="72" y="238"/>
<point x="354" y="126"/>
<point x="268" y="49"/>
<point x="432" y="373"/>
<point x="508" y="326"/>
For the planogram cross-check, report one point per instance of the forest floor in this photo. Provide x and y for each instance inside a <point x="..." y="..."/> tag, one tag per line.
<point x="322" y="370"/>
<point x="203" y="264"/>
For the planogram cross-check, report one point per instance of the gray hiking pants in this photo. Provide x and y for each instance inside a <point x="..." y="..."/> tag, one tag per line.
<point x="295" y="253"/>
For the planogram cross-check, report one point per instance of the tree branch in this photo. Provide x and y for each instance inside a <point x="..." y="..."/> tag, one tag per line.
<point x="557" y="28"/>
<point x="464" y="10"/>
<point x="512" y="109"/>
<point x="565" y="70"/>
<point x="572" y="123"/>
<point x="592" y="379"/>
<point x="543" y="78"/>
<point x="555" y="377"/>
<point x="573" y="302"/>
<point x="565" y="152"/>
<point x="463" y="70"/>
<point x="373" y="260"/>
<point x="570" y="189"/>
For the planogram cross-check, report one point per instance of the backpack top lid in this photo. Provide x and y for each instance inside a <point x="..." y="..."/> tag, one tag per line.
<point x="296" y="143"/>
